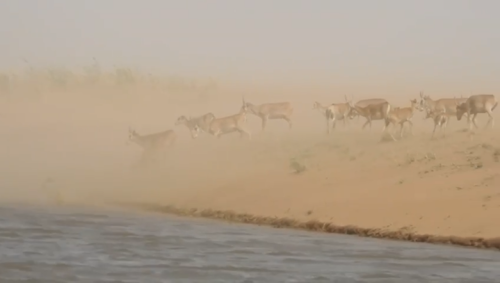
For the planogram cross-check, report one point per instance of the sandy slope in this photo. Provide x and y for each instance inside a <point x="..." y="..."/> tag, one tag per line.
<point x="444" y="187"/>
<point x="447" y="186"/>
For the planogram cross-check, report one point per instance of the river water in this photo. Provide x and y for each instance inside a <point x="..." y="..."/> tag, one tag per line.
<point x="47" y="244"/>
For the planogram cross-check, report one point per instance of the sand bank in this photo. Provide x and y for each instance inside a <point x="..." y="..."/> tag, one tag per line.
<point x="438" y="191"/>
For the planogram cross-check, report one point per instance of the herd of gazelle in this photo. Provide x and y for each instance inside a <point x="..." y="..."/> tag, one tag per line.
<point x="438" y="110"/>
<point x="371" y="109"/>
<point x="208" y="123"/>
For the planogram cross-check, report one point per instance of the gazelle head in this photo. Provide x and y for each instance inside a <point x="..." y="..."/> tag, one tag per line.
<point x="353" y="113"/>
<point x="244" y="106"/>
<point x="348" y="101"/>
<point x="416" y="105"/>
<point x="181" y="120"/>
<point x="195" y="131"/>
<point x="461" y="109"/>
<point x="133" y="136"/>
<point x="352" y="110"/>
<point x="316" y="105"/>
<point x="423" y="100"/>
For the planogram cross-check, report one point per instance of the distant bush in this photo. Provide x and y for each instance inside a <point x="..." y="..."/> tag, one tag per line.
<point x="93" y="77"/>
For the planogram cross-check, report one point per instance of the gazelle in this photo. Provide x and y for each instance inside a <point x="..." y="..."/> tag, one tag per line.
<point x="401" y="115"/>
<point x="377" y="111"/>
<point x="337" y="111"/>
<point x="320" y="108"/>
<point x="225" y="125"/>
<point x="366" y="102"/>
<point x="446" y="105"/>
<point x="195" y="125"/>
<point x="271" y="111"/>
<point x="475" y="104"/>
<point x="153" y="144"/>
<point x="440" y="120"/>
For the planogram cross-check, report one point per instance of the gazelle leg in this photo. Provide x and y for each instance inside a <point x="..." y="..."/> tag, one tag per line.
<point x="386" y="124"/>
<point x="469" y="121"/>
<point x="411" y="127"/>
<point x="366" y="123"/>
<point x="289" y="122"/>
<point x="490" y="120"/>
<point x="474" y="120"/>
<point x="443" y="126"/>
<point x="264" y="123"/>
<point x="401" y="125"/>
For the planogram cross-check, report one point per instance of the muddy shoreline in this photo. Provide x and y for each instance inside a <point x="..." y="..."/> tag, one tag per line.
<point x="318" y="226"/>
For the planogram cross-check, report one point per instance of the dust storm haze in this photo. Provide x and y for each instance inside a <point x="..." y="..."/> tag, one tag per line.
<point x="76" y="75"/>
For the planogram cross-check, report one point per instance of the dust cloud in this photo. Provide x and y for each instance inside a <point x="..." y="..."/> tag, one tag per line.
<point x="74" y="144"/>
<point x="71" y="147"/>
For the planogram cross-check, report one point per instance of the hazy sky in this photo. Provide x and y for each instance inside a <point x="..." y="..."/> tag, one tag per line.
<point x="453" y="41"/>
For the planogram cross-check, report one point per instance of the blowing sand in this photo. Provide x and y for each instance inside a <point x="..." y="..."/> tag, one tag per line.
<point x="443" y="187"/>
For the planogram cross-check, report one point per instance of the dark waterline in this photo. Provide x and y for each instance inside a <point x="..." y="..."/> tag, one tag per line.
<point x="46" y="244"/>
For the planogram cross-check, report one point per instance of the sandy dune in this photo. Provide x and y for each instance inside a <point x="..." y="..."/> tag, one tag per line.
<point x="446" y="186"/>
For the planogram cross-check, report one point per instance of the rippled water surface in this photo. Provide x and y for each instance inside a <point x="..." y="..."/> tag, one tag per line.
<point x="67" y="245"/>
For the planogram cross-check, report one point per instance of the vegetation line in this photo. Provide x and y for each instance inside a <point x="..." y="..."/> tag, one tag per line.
<point x="318" y="226"/>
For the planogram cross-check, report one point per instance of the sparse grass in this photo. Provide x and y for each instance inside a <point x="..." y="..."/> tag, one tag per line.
<point x="496" y="155"/>
<point x="409" y="158"/>
<point x="430" y="156"/>
<point x="412" y="157"/>
<point x="486" y="146"/>
<point x="297" y="166"/>
<point x="477" y="165"/>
